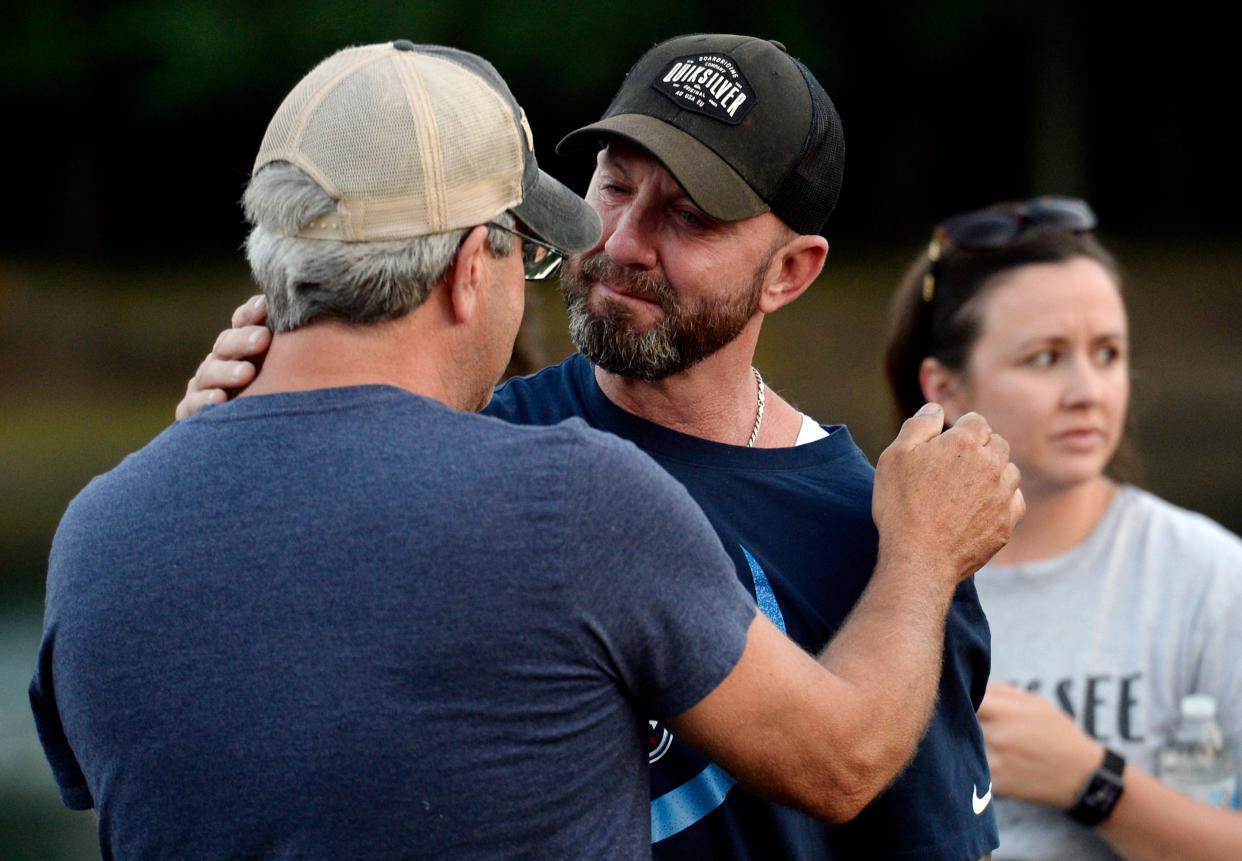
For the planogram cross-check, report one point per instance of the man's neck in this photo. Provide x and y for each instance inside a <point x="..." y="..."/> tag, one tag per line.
<point x="716" y="399"/>
<point x="331" y="354"/>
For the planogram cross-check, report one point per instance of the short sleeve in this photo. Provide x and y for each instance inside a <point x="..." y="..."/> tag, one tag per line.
<point x="1219" y="634"/>
<point x="65" y="769"/>
<point x="660" y="599"/>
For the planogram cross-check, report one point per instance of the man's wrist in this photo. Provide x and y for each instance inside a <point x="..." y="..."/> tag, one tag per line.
<point x="912" y="563"/>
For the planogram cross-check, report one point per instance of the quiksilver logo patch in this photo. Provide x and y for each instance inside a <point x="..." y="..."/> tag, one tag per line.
<point x="709" y="84"/>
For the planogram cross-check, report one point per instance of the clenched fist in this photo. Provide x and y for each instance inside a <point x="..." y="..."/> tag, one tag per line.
<point x="945" y="501"/>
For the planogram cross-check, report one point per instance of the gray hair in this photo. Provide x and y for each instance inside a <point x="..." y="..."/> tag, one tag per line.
<point x="358" y="282"/>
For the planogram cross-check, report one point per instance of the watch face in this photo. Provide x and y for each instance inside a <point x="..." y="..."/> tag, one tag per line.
<point x="1098" y="798"/>
<point x="1102" y="794"/>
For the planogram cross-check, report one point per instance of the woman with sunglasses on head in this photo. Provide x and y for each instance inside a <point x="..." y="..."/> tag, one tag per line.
<point x="1109" y="605"/>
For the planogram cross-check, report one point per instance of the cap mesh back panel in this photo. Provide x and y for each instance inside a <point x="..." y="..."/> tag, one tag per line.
<point x="482" y="177"/>
<point x="809" y="194"/>
<point x="366" y="151"/>
<point x="280" y="141"/>
<point x="408" y="143"/>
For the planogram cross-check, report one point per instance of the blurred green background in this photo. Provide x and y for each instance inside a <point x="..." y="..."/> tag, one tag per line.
<point x="130" y="129"/>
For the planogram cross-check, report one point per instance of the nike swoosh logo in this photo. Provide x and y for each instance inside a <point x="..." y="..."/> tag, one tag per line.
<point x="980" y="804"/>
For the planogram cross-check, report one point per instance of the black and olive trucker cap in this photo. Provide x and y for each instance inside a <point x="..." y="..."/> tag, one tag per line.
<point x="743" y="127"/>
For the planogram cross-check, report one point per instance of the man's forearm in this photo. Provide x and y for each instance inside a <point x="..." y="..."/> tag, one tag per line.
<point x="889" y="652"/>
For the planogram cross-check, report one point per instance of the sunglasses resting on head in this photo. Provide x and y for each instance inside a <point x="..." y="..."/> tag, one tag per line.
<point x="996" y="227"/>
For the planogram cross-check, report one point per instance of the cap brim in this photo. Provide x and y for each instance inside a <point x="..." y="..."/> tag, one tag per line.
<point x="558" y="216"/>
<point x="712" y="184"/>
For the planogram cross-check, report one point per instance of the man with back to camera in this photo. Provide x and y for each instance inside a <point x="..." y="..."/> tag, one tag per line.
<point x="722" y="162"/>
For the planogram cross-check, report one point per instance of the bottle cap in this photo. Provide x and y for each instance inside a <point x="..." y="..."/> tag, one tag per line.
<point x="1198" y="707"/>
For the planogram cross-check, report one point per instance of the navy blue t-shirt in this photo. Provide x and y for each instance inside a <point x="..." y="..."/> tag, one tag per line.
<point x="797" y="523"/>
<point x="354" y="623"/>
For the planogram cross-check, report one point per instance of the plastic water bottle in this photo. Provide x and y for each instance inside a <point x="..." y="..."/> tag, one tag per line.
<point x="1197" y="762"/>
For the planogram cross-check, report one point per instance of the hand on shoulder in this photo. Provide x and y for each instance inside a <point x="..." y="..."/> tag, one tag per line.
<point x="233" y="361"/>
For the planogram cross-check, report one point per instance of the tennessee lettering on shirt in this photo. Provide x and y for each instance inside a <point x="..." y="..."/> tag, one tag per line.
<point x="1093" y="700"/>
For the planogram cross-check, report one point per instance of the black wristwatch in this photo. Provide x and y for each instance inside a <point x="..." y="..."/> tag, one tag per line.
<point x="1099" y="795"/>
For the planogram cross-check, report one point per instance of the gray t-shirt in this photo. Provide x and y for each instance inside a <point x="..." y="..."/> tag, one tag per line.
<point x="1116" y="631"/>
<point x="355" y="623"/>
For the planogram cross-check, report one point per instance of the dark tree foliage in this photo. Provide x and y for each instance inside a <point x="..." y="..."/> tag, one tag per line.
<point x="133" y="124"/>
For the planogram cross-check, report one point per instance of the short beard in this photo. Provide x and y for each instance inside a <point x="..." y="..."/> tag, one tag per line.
<point x="685" y="336"/>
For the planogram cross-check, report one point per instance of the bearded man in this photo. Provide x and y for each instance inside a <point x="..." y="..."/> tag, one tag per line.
<point x="721" y="161"/>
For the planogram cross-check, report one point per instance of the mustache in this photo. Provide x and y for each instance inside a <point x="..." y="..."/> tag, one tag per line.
<point x="644" y="284"/>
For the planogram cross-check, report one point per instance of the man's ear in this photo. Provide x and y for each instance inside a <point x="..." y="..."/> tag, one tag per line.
<point x="944" y="386"/>
<point x="794" y="267"/>
<point x="467" y="277"/>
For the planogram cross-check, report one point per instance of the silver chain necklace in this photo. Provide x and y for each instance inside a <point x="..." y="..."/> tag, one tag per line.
<point x="754" y="434"/>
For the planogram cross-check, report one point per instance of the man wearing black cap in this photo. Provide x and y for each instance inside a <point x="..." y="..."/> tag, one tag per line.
<point x="722" y="159"/>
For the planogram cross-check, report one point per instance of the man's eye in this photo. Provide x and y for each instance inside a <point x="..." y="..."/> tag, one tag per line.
<point x="690" y="218"/>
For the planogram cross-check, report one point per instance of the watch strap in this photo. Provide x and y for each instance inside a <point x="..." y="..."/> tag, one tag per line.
<point x="1101" y="792"/>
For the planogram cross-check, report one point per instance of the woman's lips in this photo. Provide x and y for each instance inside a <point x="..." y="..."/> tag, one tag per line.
<point x="1080" y="439"/>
